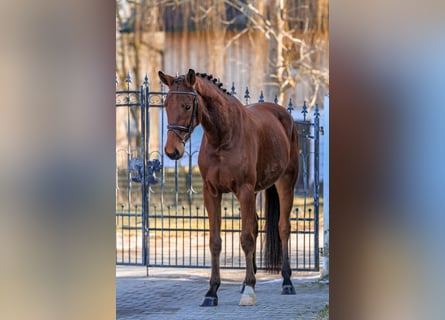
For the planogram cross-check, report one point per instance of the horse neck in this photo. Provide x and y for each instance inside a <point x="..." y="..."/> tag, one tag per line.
<point x="220" y="114"/>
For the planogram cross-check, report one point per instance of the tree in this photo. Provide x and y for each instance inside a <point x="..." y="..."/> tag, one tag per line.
<point x="297" y="33"/>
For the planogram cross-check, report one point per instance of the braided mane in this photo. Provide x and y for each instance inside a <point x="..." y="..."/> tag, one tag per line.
<point x="214" y="80"/>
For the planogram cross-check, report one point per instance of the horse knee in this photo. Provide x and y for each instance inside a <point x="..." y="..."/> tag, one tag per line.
<point x="215" y="245"/>
<point x="247" y="242"/>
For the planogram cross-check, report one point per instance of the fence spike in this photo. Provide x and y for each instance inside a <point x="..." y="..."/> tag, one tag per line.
<point x="316" y="113"/>
<point x="261" y="97"/>
<point x="276" y="99"/>
<point x="146" y="83"/>
<point x="128" y="80"/>
<point x="290" y="106"/>
<point x="232" y="90"/>
<point x="247" y="95"/>
<point x="304" y="111"/>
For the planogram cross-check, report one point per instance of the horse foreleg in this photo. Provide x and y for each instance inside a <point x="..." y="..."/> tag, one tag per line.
<point x="213" y="205"/>
<point x="249" y="232"/>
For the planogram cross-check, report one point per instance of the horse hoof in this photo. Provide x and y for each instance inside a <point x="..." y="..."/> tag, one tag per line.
<point x="248" y="297"/>
<point x="209" y="302"/>
<point x="288" y="289"/>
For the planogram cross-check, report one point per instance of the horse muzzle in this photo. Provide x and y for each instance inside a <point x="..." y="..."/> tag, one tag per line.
<point x="174" y="155"/>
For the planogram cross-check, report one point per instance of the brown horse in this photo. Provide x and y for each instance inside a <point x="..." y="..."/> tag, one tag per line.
<point x="244" y="150"/>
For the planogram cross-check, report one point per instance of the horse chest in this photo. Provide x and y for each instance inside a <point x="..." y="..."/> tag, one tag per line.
<point x="223" y="174"/>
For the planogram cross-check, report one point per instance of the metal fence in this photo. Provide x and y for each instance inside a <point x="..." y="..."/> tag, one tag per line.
<point x="160" y="214"/>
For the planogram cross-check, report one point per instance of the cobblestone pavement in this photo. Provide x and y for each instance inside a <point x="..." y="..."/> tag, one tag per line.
<point x="174" y="293"/>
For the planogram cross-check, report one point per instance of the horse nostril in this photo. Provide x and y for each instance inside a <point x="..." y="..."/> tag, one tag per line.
<point x="175" y="155"/>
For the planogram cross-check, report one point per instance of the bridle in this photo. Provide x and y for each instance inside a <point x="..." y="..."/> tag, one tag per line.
<point x="175" y="128"/>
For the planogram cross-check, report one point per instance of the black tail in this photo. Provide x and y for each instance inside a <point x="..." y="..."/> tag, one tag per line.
<point x="273" y="252"/>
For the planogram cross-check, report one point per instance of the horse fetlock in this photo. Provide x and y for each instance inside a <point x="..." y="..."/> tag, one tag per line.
<point x="243" y="286"/>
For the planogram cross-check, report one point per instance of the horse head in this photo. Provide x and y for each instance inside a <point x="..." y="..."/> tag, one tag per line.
<point x="181" y="106"/>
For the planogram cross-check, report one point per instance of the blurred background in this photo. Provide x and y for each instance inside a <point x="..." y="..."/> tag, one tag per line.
<point x="280" y="47"/>
<point x="57" y="142"/>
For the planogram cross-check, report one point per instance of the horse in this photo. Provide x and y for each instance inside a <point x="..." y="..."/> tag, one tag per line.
<point x="244" y="150"/>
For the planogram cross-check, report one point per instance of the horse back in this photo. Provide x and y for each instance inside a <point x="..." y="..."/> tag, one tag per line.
<point x="273" y="120"/>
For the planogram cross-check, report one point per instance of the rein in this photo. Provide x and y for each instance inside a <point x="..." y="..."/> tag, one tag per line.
<point x="175" y="128"/>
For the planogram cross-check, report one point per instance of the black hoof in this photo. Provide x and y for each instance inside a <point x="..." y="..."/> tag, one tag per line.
<point x="288" y="289"/>
<point x="209" y="302"/>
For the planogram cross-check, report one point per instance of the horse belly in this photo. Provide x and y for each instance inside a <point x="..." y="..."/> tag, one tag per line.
<point x="268" y="177"/>
<point x="271" y="165"/>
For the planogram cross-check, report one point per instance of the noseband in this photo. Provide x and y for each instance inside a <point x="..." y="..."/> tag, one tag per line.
<point x="175" y="128"/>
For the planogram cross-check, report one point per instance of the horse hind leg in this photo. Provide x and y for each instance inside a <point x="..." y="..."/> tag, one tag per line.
<point x="285" y="188"/>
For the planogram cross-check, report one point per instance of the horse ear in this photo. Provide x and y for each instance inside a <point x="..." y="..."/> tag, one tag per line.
<point x="191" y="77"/>
<point x="165" y="78"/>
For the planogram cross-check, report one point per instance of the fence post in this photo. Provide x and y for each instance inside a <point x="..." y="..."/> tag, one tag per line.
<point x="316" y="184"/>
<point x="325" y="256"/>
<point x="145" y="128"/>
<point x="143" y="185"/>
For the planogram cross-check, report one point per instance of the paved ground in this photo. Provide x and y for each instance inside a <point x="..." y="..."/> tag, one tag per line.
<point x="174" y="293"/>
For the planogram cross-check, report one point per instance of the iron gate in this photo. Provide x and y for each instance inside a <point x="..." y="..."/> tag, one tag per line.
<point x="160" y="215"/>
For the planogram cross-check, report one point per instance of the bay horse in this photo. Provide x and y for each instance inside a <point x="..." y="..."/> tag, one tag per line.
<point x="244" y="149"/>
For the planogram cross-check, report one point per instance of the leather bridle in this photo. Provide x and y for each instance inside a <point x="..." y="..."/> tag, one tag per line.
<point x="176" y="128"/>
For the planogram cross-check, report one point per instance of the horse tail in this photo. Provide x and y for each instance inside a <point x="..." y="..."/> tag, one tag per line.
<point x="273" y="252"/>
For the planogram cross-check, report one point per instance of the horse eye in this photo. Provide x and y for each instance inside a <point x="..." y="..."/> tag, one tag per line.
<point x="187" y="107"/>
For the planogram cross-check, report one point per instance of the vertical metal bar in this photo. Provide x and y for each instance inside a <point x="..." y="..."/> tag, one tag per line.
<point x="143" y="181"/>
<point x="128" y="158"/>
<point x="190" y="196"/>
<point x="197" y="234"/>
<point x="232" y="230"/>
<point x="297" y="213"/>
<point x="136" y="241"/>
<point x="225" y="235"/>
<point x="155" y="240"/>
<point x="176" y="234"/>
<point x="304" y="238"/>
<point x="205" y="231"/>
<point x="163" y="170"/>
<point x="162" y="149"/>
<point x="260" y="222"/>
<point x="289" y="241"/>
<point x="310" y="233"/>
<point x="169" y="235"/>
<point x="122" y="234"/>
<point x="325" y="175"/>
<point x="129" y="234"/>
<point x="183" y="235"/>
<point x="316" y="183"/>
<point x="190" y="235"/>
<point x="239" y="242"/>
<point x="146" y="157"/>
<point x="176" y="186"/>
